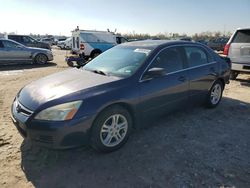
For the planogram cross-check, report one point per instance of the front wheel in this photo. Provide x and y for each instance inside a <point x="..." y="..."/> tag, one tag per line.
<point x="215" y="94"/>
<point x="111" y="129"/>
<point x="41" y="59"/>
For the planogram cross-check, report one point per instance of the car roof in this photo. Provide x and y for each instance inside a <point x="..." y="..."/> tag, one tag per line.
<point x="4" y="39"/>
<point x="152" y="44"/>
<point x="247" y="28"/>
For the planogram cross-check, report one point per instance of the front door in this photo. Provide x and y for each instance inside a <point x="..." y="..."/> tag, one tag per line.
<point x="168" y="92"/>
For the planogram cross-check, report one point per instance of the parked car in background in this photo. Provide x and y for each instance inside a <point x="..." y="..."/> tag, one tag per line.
<point x="218" y="43"/>
<point x="90" y="43"/>
<point x="238" y="50"/>
<point x="202" y="41"/>
<point x="119" y="90"/>
<point x="186" y="38"/>
<point x="14" y="52"/>
<point x="49" y="41"/>
<point x="66" y="44"/>
<point x="59" y="40"/>
<point x="29" y="41"/>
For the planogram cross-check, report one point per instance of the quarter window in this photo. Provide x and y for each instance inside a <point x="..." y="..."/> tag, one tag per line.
<point x="196" y="56"/>
<point x="169" y="59"/>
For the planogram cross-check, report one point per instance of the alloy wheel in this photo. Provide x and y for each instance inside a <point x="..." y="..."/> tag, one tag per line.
<point x="114" y="130"/>
<point x="216" y="94"/>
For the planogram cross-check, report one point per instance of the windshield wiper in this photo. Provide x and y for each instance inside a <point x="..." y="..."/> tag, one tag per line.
<point x="99" y="72"/>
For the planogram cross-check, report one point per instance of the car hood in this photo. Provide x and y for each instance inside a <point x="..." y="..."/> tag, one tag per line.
<point x="39" y="49"/>
<point x="60" y="84"/>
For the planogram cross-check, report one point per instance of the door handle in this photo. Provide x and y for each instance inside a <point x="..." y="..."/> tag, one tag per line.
<point x="182" y="78"/>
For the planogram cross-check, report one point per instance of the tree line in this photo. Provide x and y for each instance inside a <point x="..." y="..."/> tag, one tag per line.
<point x="208" y="35"/>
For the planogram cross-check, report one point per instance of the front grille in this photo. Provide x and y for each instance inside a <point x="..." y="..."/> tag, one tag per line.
<point x="22" y="109"/>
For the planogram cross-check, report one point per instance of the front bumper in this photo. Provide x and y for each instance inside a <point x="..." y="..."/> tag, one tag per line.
<point x="51" y="134"/>
<point x="50" y="57"/>
<point x="241" y="67"/>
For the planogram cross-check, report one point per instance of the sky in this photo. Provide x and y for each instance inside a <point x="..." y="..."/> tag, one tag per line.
<point x="60" y="17"/>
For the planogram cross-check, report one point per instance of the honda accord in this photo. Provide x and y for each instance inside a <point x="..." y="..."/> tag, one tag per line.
<point x="100" y="103"/>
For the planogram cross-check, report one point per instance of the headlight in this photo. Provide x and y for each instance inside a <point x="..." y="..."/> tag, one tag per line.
<point x="59" y="112"/>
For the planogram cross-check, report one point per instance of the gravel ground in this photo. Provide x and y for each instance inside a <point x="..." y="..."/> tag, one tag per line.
<point x="197" y="147"/>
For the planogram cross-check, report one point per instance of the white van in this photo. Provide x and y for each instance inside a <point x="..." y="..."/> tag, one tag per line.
<point x="92" y="43"/>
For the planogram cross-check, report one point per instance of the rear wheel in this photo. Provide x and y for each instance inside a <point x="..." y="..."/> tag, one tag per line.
<point x="233" y="75"/>
<point x="215" y="94"/>
<point x="111" y="129"/>
<point x="41" y="59"/>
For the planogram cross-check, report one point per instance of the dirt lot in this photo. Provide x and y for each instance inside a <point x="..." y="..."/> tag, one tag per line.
<point x="196" y="148"/>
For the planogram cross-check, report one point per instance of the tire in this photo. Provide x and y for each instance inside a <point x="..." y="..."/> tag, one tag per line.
<point x="41" y="59"/>
<point x="70" y="63"/>
<point x="233" y="75"/>
<point x="108" y="136"/>
<point x="215" y="94"/>
<point x="95" y="53"/>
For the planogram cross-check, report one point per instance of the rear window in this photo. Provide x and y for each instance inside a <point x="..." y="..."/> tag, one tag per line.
<point x="242" y="36"/>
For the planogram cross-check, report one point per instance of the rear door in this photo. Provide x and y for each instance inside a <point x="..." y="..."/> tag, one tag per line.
<point x="202" y="71"/>
<point x="240" y="47"/>
<point x="163" y="94"/>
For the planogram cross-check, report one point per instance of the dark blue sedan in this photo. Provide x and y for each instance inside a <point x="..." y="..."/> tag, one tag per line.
<point x="121" y="89"/>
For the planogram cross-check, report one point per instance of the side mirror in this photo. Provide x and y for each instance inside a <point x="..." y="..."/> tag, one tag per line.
<point x="155" y="72"/>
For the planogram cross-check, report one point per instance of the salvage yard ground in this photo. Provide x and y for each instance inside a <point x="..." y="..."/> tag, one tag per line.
<point x="196" y="148"/>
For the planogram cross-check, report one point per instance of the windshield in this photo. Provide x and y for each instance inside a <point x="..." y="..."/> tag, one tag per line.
<point x="119" y="61"/>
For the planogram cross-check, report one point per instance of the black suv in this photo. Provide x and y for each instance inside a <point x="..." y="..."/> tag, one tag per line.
<point x="29" y="41"/>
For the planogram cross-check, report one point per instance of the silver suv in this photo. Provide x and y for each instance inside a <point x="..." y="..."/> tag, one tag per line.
<point x="238" y="50"/>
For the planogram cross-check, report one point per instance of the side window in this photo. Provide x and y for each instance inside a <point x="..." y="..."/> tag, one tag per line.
<point x="31" y="40"/>
<point x="74" y="42"/>
<point x="26" y="40"/>
<point x="17" y="38"/>
<point x="196" y="56"/>
<point x="9" y="44"/>
<point x="1" y="44"/>
<point x="169" y="59"/>
<point x="77" y="42"/>
<point x="118" y="40"/>
<point x="123" y="40"/>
